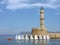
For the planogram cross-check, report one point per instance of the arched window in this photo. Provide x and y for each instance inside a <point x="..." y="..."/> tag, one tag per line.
<point x="41" y="30"/>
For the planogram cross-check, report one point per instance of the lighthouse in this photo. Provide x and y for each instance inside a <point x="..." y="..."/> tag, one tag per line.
<point x="42" y="25"/>
<point x="42" y="18"/>
<point x="41" y="30"/>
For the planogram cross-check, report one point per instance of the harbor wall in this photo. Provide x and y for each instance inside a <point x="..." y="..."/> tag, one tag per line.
<point x="36" y="31"/>
<point x="54" y="35"/>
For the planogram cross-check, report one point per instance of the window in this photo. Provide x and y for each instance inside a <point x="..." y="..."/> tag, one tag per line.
<point x="41" y="30"/>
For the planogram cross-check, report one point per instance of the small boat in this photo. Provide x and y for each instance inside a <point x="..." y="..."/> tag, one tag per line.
<point x="26" y="37"/>
<point x="48" y="37"/>
<point x="35" y="37"/>
<point x="40" y="37"/>
<point x="31" y="36"/>
<point x="44" y="37"/>
<point x="10" y="38"/>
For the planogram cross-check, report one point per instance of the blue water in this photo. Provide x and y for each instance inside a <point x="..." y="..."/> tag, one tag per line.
<point x="4" y="41"/>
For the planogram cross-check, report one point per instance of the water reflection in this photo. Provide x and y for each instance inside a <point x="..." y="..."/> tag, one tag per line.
<point x="41" y="42"/>
<point x="19" y="41"/>
<point x="33" y="42"/>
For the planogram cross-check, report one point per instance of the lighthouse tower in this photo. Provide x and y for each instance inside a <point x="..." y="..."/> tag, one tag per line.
<point x="42" y="18"/>
<point x="41" y="30"/>
<point x="42" y="26"/>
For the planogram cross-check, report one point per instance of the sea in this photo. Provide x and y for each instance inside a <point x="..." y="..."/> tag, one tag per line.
<point x="4" y="41"/>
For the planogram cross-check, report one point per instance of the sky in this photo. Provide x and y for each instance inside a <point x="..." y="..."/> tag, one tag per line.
<point x="22" y="15"/>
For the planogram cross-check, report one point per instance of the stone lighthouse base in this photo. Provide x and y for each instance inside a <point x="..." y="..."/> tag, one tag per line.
<point x="38" y="31"/>
<point x="35" y="31"/>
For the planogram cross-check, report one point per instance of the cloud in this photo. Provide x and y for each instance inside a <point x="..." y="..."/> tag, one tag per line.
<point x="3" y="1"/>
<point x="52" y="1"/>
<point x="20" y="4"/>
<point x="44" y="5"/>
<point x="1" y="10"/>
<point x="23" y="5"/>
